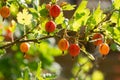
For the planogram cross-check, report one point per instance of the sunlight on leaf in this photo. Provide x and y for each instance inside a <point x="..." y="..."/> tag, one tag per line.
<point x="116" y="4"/>
<point x="32" y="10"/>
<point x="80" y="19"/>
<point x="116" y="35"/>
<point x="59" y="19"/>
<point x="39" y="71"/>
<point x="114" y="18"/>
<point x="81" y="15"/>
<point x="68" y="7"/>
<point x="98" y="14"/>
<point x="97" y="75"/>
<point x="14" y="8"/>
<point x="81" y="7"/>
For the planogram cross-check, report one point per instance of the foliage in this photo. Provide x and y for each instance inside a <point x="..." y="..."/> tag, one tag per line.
<point x="26" y="23"/>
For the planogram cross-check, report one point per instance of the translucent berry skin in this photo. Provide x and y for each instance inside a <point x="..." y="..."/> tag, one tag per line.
<point x="54" y="11"/>
<point x="24" y="47"/>
<point x="99" y="37"/>
<point x="50" y="26"/>
<point x="104" y="49"/>
<point x="63" y="44"/>
<point x="5" y="12"/>
<point x="74" y="50"/>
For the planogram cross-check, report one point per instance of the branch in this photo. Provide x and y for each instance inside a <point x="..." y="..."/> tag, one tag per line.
<point x="20" y="41"/>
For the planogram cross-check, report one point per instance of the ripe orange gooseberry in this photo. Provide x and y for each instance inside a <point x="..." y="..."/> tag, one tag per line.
<point x="24" y="47"/>
<point x="50" y="26"/>
<point x="104" y="49"/>
<point x="5" y="12"/>
<point x="98" y="39"/>
<point x="55" y="11"/>
<point x="74" y="50"/>
<point x="63" y="44"/>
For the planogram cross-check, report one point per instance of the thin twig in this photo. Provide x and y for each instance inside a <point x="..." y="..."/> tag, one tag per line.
<point x="19" y="41"/>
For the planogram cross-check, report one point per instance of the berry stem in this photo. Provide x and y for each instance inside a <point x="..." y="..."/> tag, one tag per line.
<point x="12" y="37"/>
<point x="73" y="58"/>
<point x="25" y="31"/>
<point x="62" y="52"/>
<point x="103" y="57"/>
<point x="48" y="33"/>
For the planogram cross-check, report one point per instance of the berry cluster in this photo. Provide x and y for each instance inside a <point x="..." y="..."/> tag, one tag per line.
<point x="54" y="11"/>
<point x="63" y="44"/>
<point x="73" y="48"/>
<point x="50" y="26"/>
<point x="98" y="40"/>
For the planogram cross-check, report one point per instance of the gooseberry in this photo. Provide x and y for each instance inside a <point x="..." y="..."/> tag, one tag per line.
<point x="55" y="11"/>
<point x="74" y="50"/>
<point x="98" y="39"/>
<point x="104" y="49"/>
<point x="5" y="12"/>
<point x="63" y="44"/>
<point x="24" y="47"/>
<point x="50" y="26"/>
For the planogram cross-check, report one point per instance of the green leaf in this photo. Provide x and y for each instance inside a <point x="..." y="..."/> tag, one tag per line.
<point x="116" y="4"/>
<point x="91" y="22"/>
<point x="68" y="7"/>
<point x="39" y="71"/>
<point x="28" y="1"/>
<point x="14" y="7"/>
<point x="33" y="10"/>
<point x="59" y="19"/>
<point x="114" y="18"/>
<point x="54" y="1"/>
<point x="1" y="38"/>
<point x="80" y="19"/>
<point x="98" y="14"/>
<point x="19" y="79"/>
<point x="2" y="51"/>
<point x="14" y="47"/>
<point x="80" y="16"/>
<point x="26" y="75"/>
<point x="116" y="35"/>
<point x="43" y="11"/>
<point x="81" y="7"/>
